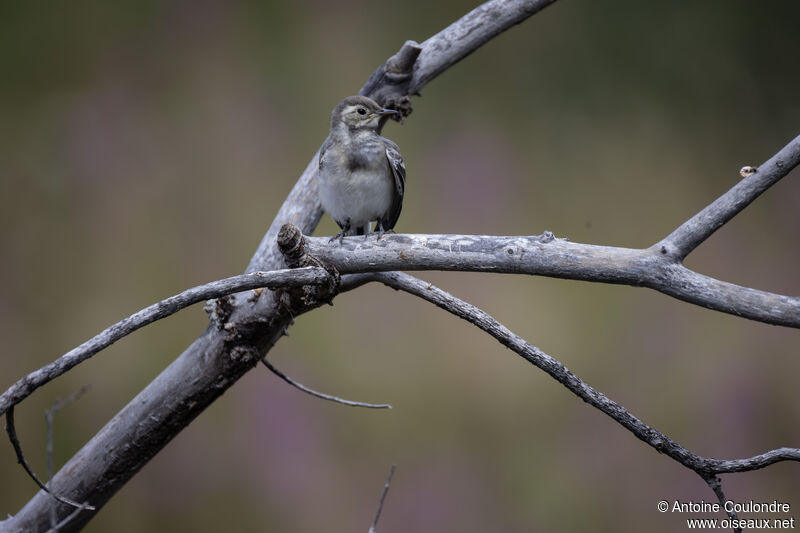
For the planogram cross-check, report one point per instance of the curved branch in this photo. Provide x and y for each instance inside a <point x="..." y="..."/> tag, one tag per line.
<point x="271" y="280"/>
<point x="321" y="395"/>
<point x="705" y="467"/>
<point x="12" y="436"/>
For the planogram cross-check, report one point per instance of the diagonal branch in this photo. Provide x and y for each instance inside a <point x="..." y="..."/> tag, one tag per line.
<point x="697" y="229"/>
<point x="705" y="467"/>
<point x="385" y="490"/>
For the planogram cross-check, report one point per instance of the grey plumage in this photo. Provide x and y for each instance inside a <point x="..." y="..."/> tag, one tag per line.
<point x="361" y="174"/>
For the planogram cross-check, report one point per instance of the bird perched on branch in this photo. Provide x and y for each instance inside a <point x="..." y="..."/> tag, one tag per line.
<point x="362" y="177"/>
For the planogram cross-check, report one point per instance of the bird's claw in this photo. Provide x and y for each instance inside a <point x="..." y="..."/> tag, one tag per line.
<point x="382" y="232"/>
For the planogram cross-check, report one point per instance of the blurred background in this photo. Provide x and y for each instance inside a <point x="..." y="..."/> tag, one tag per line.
<point x="146" y="146"/>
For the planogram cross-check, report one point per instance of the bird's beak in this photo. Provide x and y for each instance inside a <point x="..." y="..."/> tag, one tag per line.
<point x="384" y="112"/>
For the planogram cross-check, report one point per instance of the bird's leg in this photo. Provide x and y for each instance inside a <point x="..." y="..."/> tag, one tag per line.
<point x="345" y="228"/>
<point x="381" y="231"/>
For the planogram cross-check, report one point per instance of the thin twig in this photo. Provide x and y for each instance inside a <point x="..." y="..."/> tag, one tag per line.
<point x="272" y="280"/>
<point x="322" y="395"/>
<point x="383" y="497"/>
<point x="49" y="418"/>
<point x="716" y="485"/>
<point x="656" y="439"/>
<point x="67" y="519"/>
<point x="12" y="436"/>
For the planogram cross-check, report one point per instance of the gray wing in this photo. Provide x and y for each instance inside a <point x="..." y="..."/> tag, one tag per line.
<point x="399" y="172"/>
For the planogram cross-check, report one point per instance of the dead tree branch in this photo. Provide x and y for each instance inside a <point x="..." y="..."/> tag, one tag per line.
<point x="12" y="436"/>
<point x="321" y="395"/>
<point x="544" y="255"/>
<point x="706" y="468"/>
<point x="385" y="490"/>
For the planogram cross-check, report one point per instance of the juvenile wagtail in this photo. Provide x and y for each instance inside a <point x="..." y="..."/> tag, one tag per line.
<point x="361" y="174"/>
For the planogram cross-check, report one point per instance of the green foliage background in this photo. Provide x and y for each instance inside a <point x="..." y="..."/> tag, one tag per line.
<point x="145" y="147"/>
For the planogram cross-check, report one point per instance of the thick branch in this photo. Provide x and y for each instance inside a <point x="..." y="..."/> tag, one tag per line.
<point x="704" y="466"/>
<point x="701" y="226"/>
<point x="547" y="256"/>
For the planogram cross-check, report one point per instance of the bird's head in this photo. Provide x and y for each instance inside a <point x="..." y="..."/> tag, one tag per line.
<point x="359" y="112"/>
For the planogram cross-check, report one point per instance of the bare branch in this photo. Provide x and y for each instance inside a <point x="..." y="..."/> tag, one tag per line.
<point x="321" y="395"/>
<point x="12" y="436"/>
<point x="273" y="280"/>
<point x="545" y="255"/>
<point x="49" y="417"/>
<point x="716" y="485"/>
<point x="69" y="518"/>
<point x="703" y="466"/>
<point x="701" y="226"/>
<point x="383" y="498"/>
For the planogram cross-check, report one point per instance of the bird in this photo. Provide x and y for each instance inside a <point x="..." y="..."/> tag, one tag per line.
<point x="362" y="177"/>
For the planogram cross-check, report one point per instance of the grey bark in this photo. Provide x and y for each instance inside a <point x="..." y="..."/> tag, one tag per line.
<point x="559" y="258"/>
<point x="245" y="331"/>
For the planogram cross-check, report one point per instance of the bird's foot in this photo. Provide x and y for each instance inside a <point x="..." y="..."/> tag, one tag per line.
<point x="382" y="232"/>
<point x="339" y="236"/>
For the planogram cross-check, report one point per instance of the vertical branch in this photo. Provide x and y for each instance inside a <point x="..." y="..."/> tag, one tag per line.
<point x="49" y="418"/>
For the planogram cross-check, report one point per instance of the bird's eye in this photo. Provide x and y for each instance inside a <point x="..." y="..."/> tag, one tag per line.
<point x="362" y="111"/>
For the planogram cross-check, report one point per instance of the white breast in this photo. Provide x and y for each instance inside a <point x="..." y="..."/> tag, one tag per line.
<point x="361" y="195"/>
